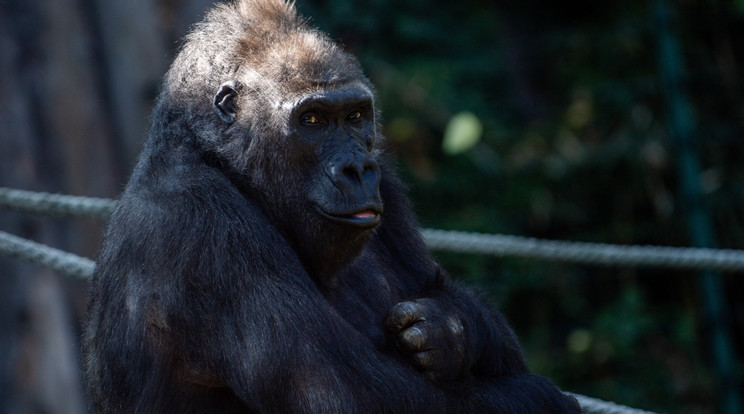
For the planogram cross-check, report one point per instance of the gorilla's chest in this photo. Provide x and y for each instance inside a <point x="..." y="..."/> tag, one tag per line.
<point x="363" y="299"/>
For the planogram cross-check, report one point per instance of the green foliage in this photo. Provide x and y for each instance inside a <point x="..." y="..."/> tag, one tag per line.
<point x="565" y="137"/>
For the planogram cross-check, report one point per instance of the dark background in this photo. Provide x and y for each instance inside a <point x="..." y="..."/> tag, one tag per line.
<point x="575" y="145"/>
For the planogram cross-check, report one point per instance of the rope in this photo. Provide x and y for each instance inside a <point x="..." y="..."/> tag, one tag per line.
<point x="591" y="405"/>
<point x="490" y="244"/>
<point x="58" y="260"/>
<point x="589" y="253"/>
<point x="462" y="242"/>
<point x="55" y="204"/>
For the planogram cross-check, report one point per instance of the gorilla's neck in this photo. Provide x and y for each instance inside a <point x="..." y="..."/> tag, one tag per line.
<point x="327" y="256"/>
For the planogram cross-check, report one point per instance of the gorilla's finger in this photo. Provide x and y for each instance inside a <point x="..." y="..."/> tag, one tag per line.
<point x="402" y="315"/>
<point x="414" y="339"/>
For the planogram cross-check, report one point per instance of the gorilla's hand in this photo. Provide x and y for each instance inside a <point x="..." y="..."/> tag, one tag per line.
<point x="433" y="339"/>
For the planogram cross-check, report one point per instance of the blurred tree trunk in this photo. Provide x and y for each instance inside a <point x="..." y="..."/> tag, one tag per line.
<point x="77" y="80"/>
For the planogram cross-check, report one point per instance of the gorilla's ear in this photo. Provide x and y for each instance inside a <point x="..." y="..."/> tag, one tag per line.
<point x="224" y="101"/>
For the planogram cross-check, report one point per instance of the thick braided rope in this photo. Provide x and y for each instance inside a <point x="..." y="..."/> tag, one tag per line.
<point x="591" y="405"/>
<point x="56" y="259"/>
<point x="55" y="204"/>
<point x="589" y="253"/>
<point x="490" y="244"/>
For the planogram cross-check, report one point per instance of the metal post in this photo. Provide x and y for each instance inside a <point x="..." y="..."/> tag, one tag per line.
<point x="683" y="128"/>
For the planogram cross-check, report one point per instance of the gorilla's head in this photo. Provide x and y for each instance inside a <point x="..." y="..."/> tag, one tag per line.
<point x="291" y="118"/>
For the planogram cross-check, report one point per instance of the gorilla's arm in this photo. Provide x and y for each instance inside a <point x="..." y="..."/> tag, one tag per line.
<point x="451" y="333"/>
<point x="459" y="342"/>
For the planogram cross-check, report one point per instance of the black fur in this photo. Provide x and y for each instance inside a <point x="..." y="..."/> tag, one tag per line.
<point x="245" y="271"/>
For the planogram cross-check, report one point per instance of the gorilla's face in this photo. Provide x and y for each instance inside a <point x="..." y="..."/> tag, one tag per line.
<point x="337" y="125"/>
<point x="310" y="158"/>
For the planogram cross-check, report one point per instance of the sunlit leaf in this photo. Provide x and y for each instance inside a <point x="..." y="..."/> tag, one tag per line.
<point x="463" y="131"/>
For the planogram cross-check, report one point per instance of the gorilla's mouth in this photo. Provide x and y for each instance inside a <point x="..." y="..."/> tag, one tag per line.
<point x="366" y="217"/>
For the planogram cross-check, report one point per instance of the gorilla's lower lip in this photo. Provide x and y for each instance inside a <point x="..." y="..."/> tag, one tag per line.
<point x="365" y="218"/>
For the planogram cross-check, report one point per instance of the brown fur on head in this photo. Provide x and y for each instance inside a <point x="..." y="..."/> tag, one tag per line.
<point x="265" y="37"/>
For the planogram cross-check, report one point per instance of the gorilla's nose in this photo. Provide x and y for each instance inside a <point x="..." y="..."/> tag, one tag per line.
<point x="355" y="170"/>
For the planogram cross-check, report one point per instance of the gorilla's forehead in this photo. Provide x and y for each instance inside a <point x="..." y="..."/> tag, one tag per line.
<point x="337" y="95"/>
<point x="288" y="96"/>
<point x="307" y="70"/>
<point x="348" y="92"/>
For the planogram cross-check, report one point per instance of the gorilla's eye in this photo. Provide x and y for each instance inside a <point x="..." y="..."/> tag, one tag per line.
<point x="356" y="115"/>
<point x="310" y="119"/>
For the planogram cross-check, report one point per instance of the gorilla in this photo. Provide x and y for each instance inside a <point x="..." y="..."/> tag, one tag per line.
<point x="263" y="257"/>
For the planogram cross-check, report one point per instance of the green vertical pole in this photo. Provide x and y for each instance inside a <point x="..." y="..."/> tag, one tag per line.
<point x="683" y="128"/>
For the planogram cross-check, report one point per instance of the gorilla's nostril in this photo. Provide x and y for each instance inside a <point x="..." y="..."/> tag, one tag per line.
<point x="353" y="172"/>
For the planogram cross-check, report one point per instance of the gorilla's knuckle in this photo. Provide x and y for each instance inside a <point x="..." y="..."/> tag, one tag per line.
<point x="403" y="314"/>
<point x="415" y="338"/>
